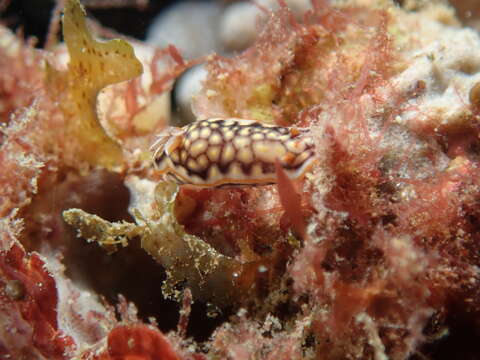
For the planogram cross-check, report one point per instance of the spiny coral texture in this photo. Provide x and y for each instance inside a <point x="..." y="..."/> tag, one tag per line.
<point x="387" y="266"/>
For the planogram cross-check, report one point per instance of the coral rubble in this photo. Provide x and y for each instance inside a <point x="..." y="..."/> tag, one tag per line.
<point x="374" y="255"/>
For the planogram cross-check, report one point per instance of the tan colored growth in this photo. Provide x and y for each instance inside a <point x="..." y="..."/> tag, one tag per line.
<point x="218" y="152"/>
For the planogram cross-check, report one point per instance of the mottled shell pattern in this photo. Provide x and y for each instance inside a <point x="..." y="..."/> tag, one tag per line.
<point x="223" y="152"/>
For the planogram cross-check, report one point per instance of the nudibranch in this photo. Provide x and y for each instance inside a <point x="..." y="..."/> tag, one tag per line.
<point x="231" y="151"/>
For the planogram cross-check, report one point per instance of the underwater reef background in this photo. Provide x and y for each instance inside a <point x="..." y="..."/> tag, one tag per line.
<point x="375" y="254"/>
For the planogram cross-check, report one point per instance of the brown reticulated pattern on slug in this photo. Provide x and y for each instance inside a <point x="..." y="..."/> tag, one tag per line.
<point x="219" y="152"/>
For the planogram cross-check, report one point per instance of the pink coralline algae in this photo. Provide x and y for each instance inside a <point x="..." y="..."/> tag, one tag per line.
<point x="373" y="254"/>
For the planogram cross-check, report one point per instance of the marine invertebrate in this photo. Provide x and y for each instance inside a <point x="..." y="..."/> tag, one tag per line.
<point x="219" y="152"/>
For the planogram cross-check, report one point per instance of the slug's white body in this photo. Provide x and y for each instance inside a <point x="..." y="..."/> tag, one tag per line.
<point x="222" y="152"/>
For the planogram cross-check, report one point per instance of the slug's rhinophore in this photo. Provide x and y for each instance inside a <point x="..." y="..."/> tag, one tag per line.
<point x="221" y="152"/>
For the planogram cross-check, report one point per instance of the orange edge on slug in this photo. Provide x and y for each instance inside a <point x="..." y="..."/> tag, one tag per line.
<point x="227" y="181"/>
<point x="217" y="183"/>
<point x="176" y="142"/>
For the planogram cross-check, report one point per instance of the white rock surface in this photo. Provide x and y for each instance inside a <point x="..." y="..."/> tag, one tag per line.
<point x="191" y="26"/>
<point x="449" y="67"/>
<point x="188" y="86"/>
<point x="241" y="22"/>
<point x="239" y="25"/>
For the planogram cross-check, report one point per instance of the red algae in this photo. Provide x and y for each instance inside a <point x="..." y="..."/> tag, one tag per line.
<point x="30" y="292"/>
<point x="138" y="341"/>
<point x="382" y="216"/>
<point x="374" y="255"/>
<point x="22" y="80"/>
<point x="290" y="200"/>
<point x="228" y="220"/>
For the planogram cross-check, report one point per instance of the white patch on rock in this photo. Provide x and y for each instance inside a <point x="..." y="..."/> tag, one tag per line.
<point x="191" y="26"/>
<point x="186" y="88"/>
<point x="449" y="67"/>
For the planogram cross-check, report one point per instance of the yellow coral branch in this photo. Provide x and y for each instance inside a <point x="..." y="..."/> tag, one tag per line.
<point x="106" y="234"/>
<point x="93" y="65"/>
